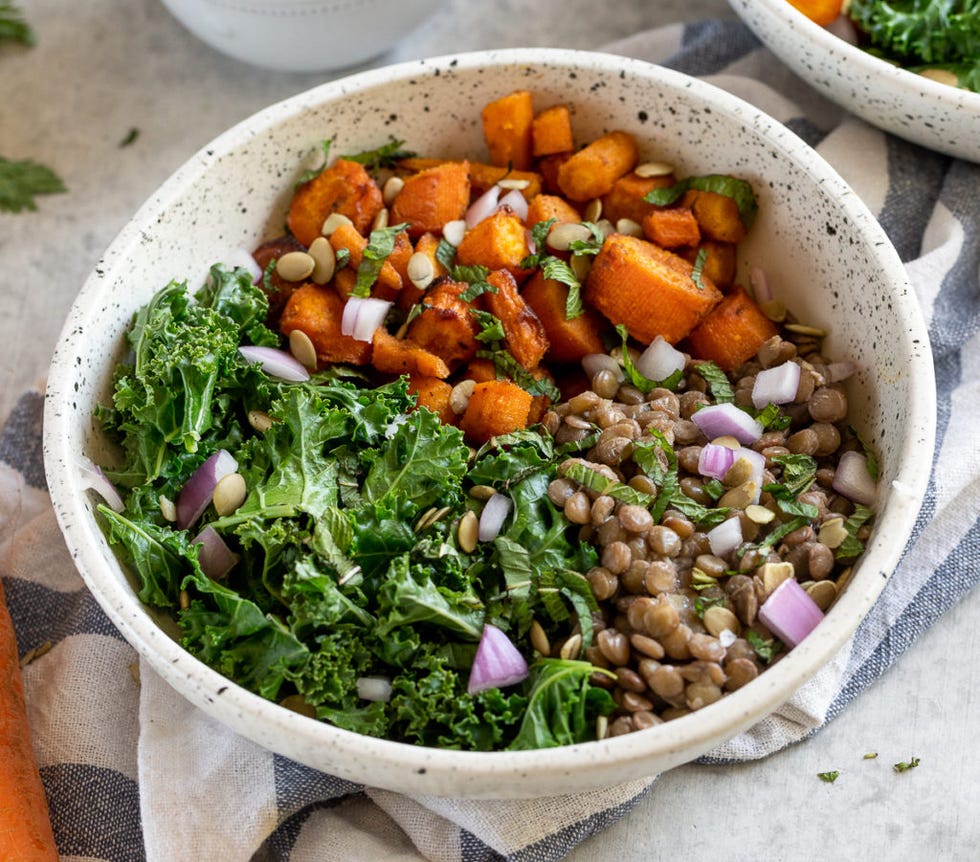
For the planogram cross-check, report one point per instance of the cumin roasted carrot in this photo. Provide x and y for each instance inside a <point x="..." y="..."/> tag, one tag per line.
<point x="495" y="407"/>
<point x="25" y="827"/>
<point x="319" y="311"/>
<point x="569" y="340"/>
<point x="435" y="195"/>
<point x="733" y="332"/>
<point x="482" y="176"/>
<point x="507" y="129"/>
<point x="346" y="188"/>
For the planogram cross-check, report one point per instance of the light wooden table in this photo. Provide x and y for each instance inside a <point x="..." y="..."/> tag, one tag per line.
<point x="103" y="68"/>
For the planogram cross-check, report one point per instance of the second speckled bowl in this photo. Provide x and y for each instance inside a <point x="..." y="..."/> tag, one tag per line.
<point x="823" y="252"/>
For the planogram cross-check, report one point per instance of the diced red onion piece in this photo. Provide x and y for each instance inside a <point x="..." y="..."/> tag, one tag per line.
<point x="492" y="517"/>
<point x="593" y="363"/>
<point x="276" y="363"/>
<point x="516" y="201"/>
<point x="852" y="479"/>
<point x="485" y="205"/>
<point x="373" y="688"/>
<point x="94" y="478"/>
<point x="498" y="662"/>
<point x="777" y="385"/>
<point x="715" y="461"/>
<point x="789" y="613"/>
<point x="726" y="537"/>
<point x="196" y="494"/>
<point x="362" y="316"/>
<point x="838" y="371"/>
<point x="727" y="420"/>
<point x="660" y="360"/>
<point x="215" y="557"/>
<point x="532" y="246"/>
<point x="760" y="285"/>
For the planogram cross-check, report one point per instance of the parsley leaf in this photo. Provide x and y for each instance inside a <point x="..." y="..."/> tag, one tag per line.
<point x="21" y="181"/>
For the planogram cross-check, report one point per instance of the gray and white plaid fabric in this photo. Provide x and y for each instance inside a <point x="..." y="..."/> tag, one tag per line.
<point x="133" y="772"/>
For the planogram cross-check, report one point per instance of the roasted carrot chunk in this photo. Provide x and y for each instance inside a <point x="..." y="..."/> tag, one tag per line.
<point x="568" y="340"/>
<point x="495" y="407"/>
<point x="592" y="171"/>
<point x="434" y="394"/>
<point x="402" y="356"/>
<point x="545" y="207"/>
<point x="671" y="227"/>
<point x="732" y="332"/>
<point x="432" y="197"/>
<point x="318" y="311"/>
<point x="719" y="261"/>
<point x="447" y="326"/>
<point x="482" y="176"/>
<point x="264" y="255"/>
<point x="507" y="129"/>
<point x="480" y="370"/>
<point x="717" y="216"/>
<point x="625" y="198"/>
<point x="497" y="242"/>
<point x="346" y="188"/>
<point x="548" y="167"/>
<point x="524" y="334"/>
<point x="551" y="132"/>
<point x="648" y="289"/>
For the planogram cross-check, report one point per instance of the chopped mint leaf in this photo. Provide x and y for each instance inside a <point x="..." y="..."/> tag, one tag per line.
<point x="381" y="243"/>
<point x="699" y="262"/>
<point x="21" y="181"/>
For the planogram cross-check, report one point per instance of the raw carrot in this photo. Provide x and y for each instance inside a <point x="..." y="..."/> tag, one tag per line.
<point x="507" y="129"/>
<point x="25" y="826"/>
<point x="346" y="188"/>
<point x="649" y="290"/>
<point x="733" y="332"/>
<point x="822" y="12"/>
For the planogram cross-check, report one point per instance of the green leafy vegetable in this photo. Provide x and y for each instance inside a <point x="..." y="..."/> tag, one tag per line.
<point x="733" y="187"/>
<point x="381" y="243"/>
<point x="21" y="182"/>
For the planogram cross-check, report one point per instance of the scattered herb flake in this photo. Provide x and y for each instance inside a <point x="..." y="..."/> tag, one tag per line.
<point x="446" y="254"/>
<point x="130" y="138"/>
<point x="588" y="246"/>
<point x="386" y="156"/>
<point x="381" y="243"/>
<point x="829" y="777"/>
<point x="871" y="755"/>
<point x="718" y="382"/>
<point x="852" y="546"/>
<point x="14" y="27"/>
<point x="699" y="262"/>
<point x="765" y="649"/>
<point x="313" y="173"/>
<point x="906" y="765"/>
<point x="733" y="187"/>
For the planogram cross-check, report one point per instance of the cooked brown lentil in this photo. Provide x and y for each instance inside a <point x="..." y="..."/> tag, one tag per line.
<point x="674" y="616"/>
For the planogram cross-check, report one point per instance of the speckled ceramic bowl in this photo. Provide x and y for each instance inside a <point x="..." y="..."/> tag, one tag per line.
<point x="923" y="111"/>
<point x="822" y="249"/>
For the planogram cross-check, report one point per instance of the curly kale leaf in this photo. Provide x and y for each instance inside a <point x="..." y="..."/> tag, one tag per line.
<point x="562" y="706"/>
<point x="921" y="31"/>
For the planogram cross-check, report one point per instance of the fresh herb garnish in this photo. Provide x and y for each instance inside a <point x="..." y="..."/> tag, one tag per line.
<point x="906" y="765"/>
<point x="381" y="243"/>
<point x="446" y="254"/>
<point x="130" y="138"/>
<point x="475" y="278"/>
<point x="852" y="546"/>
<point x="21" y="181"/>
<point x="703" y="603"/>
<point x="718" y="382"/>
<point x="313" y="173"/>
<point x="829" y="777"/>
<point x="765" y="649"/>
<point x="633" y="374"/>
<point x="733" y="187"/>
<point x="696" y="272"/>
<point x="588" y="246"/>
<point x="13" y="26"/>
<point x="386" y="156"/>
<point x="554" y="268"/>
<point x="771" y="417"/>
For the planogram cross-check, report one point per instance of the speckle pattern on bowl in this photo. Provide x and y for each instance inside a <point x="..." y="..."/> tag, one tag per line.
<point x="937" y="116"/>
<point x="821" y="248"/>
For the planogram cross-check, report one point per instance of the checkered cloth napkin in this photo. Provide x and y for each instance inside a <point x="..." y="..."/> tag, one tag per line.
<point x="133" y="772"/>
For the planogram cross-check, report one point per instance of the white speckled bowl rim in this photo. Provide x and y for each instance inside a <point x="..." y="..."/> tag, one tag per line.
<point x="862" y="276"/>
<point x="923" y="111"/>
